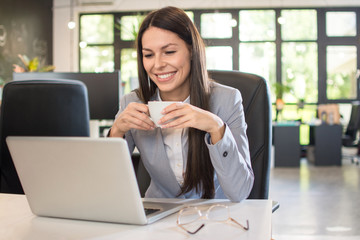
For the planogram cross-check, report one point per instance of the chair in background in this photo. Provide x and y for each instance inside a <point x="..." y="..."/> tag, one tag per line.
<point x="257" y="107"/>
<point x="350" y="137"/>
<point x="39" y="108"/>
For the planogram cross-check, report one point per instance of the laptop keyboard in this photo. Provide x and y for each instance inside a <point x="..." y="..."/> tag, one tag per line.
<point x="150" y="210"/>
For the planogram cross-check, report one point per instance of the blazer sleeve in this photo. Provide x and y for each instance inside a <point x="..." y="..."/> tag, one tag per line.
<point x="124" y="101"/>
<point x="230" y="156"/>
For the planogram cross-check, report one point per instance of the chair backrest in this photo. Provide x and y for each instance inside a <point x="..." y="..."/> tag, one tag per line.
<point x="39" y="108"/>
<point x="354" y="123"/>
<point x="257" y="106"/>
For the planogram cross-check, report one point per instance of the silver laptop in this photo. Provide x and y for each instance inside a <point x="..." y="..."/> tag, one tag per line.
<point x="82" y="178"/>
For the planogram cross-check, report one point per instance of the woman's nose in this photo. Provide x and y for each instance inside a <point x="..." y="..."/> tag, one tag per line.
<point x="159" y="62"/>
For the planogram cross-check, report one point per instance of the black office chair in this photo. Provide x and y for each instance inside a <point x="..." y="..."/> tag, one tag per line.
<point x="350" y="137"/>
<point x="39" y="108"/>
<point x="257" y="107"/>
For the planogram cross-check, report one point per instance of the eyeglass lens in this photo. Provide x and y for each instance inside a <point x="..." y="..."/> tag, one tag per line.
<point x="218" y="213"/>
<point x="188" y="217"/>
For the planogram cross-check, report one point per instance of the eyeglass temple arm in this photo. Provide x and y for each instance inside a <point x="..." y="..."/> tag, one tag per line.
<point x="192" y="232"/>
<point x="247" y="224"/>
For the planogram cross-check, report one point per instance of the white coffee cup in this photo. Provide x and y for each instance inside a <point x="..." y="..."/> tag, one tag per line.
<point x="155" y="108"/>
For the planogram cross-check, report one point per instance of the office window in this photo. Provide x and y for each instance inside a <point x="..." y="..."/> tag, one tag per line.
<point x="216" y="25"/>
<point x="257" y="25"/>
<point x="340" y="24"/>
<point x="190" y="15"/>
<point x="219" y="58"/>
<point x="257" y="49"/>
<point x="260" y="59"/>
<point x="129" y="27"/>
<point x="298" y="24"/>
<point x="97" y="29"/>
<point x="341" y="67"/>
<point x="96" y="43"/>
<point x="282" y="45"/>
<point x="299" y="62"/>
<point x="129" y="74"/>
<point x="299" y="71"/>
<point x="97" y="59"/>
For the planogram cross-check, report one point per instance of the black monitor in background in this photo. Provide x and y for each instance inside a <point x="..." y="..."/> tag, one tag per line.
<point x="104" y="89"/>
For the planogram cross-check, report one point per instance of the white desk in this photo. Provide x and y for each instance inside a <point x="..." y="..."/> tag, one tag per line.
<point x="18" y="222"/>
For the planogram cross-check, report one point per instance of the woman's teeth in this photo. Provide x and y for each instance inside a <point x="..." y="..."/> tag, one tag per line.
<point x="163" y="76"/>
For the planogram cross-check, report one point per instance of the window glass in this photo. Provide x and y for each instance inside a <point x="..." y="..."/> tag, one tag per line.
<point x="129" y="74"/>
<point x="217" y="25"/>
<point x="300" y="72"/>
<point x="341" y="70"/>
<point x="340" y="24"/>
<point x="97" y="59"/>
<point x="97" y="28"/>
<point x="190" y="15"/>
<point x="219" y="58"/>
<point x="129" y="27"/>
<point x="260" y="59"/>
<point x="298" y="24"/>
<point x="257" y="25"/>
<point x="293" y="112"/>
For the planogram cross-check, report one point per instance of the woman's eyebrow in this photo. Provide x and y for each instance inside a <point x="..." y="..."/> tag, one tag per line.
<point x="163" y="47"/>
<point x="169" y="45"/>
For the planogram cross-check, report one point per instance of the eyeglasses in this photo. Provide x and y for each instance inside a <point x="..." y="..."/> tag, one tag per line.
<point x="219" y="213"/>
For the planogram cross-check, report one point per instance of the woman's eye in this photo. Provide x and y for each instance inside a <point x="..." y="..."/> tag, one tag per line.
<point x="170" y="52"/>
<point x="148" y="55"/>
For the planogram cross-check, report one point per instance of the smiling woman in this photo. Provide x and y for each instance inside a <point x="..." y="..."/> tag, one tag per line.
<point x="203" y="152"/>
<point x="166" y="59"/>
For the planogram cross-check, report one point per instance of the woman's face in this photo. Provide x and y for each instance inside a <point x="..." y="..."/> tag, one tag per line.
<point x="166" y="59"/>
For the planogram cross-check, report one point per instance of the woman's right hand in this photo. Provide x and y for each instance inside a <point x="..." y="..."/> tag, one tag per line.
<point x="135" y="115"/>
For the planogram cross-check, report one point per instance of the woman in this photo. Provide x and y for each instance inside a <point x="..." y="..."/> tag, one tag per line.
<point x="204" y="151"/>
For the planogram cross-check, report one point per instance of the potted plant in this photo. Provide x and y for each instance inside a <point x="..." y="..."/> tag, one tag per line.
<point x="31" y="65"/>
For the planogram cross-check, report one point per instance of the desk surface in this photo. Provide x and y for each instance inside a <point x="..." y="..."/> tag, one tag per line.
<point x="18" y="222"/>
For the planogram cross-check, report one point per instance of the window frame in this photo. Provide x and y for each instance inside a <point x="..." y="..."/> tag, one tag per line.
<point x="322" y="42"/>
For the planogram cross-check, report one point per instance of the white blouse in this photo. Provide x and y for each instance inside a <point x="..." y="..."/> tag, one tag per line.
<point x="176" y="147"/>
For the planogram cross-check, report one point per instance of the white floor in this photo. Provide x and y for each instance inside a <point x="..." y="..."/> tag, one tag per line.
<point x="316" y="202"/>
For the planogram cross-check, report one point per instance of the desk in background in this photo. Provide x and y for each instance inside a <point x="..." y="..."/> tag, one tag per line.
<point x="286" y="144"/>
<point x="17" y="222"/>
<point x="325" y="145"/>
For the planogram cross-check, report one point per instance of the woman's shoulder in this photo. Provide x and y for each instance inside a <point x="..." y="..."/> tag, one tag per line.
<point x="220" y="89"/>
<point x="224" y="99"/>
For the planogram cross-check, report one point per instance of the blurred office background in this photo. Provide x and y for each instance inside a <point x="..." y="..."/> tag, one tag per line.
<point x="309" y="49"/>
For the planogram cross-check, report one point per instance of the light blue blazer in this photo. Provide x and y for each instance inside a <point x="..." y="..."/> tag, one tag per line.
<point x="230" y="156"/>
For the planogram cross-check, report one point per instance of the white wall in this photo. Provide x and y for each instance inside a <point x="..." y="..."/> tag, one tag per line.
<point x="65" y="50"/>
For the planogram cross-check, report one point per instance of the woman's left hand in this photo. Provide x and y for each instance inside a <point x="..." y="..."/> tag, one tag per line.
<point x="186" y="115"/>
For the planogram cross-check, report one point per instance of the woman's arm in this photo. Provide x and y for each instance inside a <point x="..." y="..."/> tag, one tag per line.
<point x="135" y="115"/>
<point x="132" y="114"/>
<point x="230" y="156"/>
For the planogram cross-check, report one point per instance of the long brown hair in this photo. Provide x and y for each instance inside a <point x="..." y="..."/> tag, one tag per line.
<point x="199" y="173"/>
